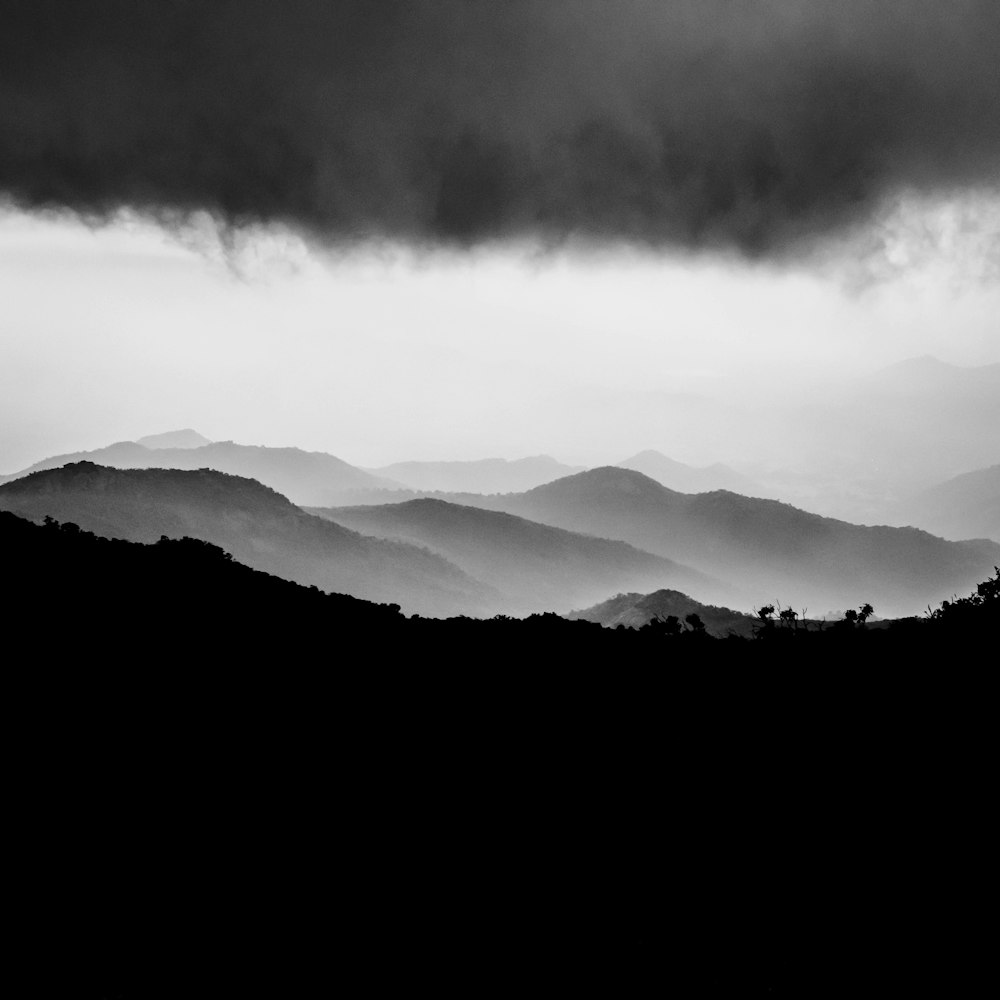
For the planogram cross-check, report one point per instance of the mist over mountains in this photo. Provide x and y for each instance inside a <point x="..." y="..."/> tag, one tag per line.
<point x="967" y="506"/>
<point x="255" y="524"/>
<point x="537" y="567"/>
<point x="305" y="477"/>
<point x="571" y="542"/>
<point x="765" y="546"/>
<point x="685" y="478"/>
<point x="853" y="449"/>
<point x="849" y="447"/>
<point x="919" y="420"/>
<point x="488" y="475"/>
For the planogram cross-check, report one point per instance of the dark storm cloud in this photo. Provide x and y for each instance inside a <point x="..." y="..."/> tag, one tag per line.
<point x="724" y="123"/>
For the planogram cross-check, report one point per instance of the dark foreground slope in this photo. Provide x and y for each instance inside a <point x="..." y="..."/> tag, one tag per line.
<point x="537" y="567"/>
<point x="253" y="523"/>
<point x="767" y="548"/>
<point x="225" y="784"/>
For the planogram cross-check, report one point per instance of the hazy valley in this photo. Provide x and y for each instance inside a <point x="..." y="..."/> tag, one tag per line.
<point x="406" y="534"/>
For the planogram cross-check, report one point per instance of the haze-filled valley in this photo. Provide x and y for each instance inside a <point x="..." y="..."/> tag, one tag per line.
<point x="575" y="539"/>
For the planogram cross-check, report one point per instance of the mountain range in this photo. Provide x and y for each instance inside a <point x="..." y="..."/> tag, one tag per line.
<point x="770" y="550"/>
<point x="256" y="525"/>
<point x="536" y="567"/>
<point x="569" y="542"/>
<point x="305" y="477"/>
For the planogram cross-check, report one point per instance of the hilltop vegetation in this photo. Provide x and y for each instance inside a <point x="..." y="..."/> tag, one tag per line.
<point x="637" y="610"/>
<point x="193" y="595"/>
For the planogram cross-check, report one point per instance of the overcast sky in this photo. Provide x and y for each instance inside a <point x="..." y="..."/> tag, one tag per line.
<point x="733" y="198"/>
<point x="114" y="333"/>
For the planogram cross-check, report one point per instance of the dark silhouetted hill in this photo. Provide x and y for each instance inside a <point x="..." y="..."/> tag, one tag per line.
<point x="689" y="478"/>
<point x="186" y="595"/>
<point x="537" y="567"/>
<point x="761" y="811"/>
<point x="762" y="546"/>
<point x="305" y="477"/>
<point x="488" y="475"/>
<point x="255" y="524"/>
<point x="139" y="590"/>
<point x="967" y="506"/>
<point x="637" y="610"/>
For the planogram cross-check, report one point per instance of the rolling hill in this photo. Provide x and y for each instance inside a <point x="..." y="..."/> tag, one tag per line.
<point x="769" y="549"/>
<point x="256" y="525"/>
<point x="305" y="477"/>
<point x="636" y="610"/>
<point x="537" y="567"/>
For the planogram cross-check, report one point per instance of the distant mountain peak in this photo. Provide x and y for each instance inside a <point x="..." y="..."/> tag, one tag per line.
<point x="185" y="438"/>
<point x="652" y="455"/>
<point x="685" y="478"/>
<point x="924" y="361"/>
<point x="605" y="477"/>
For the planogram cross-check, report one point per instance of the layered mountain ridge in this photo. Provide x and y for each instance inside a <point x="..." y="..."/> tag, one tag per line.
<point x="767" y="548"/>
<point x="305" y="477"/>
<point x="255" y="524"/>
<point x="537" y="566"/>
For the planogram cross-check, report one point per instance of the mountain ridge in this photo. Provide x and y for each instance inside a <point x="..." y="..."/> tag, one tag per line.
<point x="686" y="478"/>
<point x="256" y="524"/>
<point x="538" y="566"/>
<point x="306" y="477"/>
<point x="184" y="438"/>
<point x="762" y="545"/>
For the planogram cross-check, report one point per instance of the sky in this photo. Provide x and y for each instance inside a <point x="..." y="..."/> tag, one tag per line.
<point x="455" y="229"/>
<point x="121" y="331"/>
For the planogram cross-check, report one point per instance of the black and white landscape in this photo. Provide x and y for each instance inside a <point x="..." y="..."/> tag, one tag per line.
<point x="500" y="498"/>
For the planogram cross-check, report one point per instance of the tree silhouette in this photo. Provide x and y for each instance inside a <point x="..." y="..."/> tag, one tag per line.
<point x="695" y="623"/>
